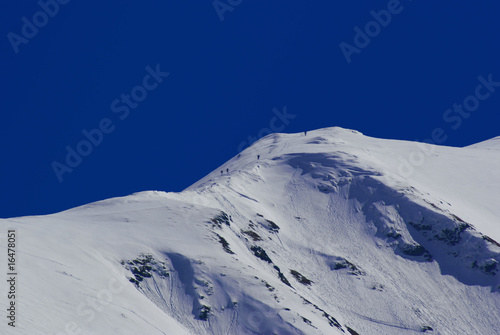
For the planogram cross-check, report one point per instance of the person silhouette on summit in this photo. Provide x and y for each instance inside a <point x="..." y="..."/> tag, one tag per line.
<point x="258" y="156"/>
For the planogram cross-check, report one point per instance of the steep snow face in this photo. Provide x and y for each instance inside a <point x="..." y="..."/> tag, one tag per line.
<point x="333" y="232"/>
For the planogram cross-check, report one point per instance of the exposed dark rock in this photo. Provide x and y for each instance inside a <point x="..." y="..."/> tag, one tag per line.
<point x="273" y="227"/>
<point x="220" y="219"/>
<point x="143" y="267"/>
<point x="252" y="234"/>
<point x="204" y="312"/>
<point x="282" y="277"/>
<point x="425" y="328"/>
<point x="452" y="236"/>
<point x="260" y="253"/>
<point x="225" y="245"/>
<point x="345" y="264"/>
<point x="352" y="331"/>
<point x="300" y="278"/>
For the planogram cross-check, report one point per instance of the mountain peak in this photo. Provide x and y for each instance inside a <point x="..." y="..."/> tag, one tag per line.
<point x="329" y="232"/>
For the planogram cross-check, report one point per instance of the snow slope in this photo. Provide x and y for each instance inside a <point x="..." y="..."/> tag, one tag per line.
<point x="330" y="233"/>
<point x="491" y="144"/>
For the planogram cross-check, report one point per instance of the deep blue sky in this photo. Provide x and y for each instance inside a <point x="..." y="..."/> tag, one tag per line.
<point x="225" y="79"/>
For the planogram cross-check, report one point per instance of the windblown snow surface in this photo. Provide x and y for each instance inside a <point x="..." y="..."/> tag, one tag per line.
<point x="330" y="233"/>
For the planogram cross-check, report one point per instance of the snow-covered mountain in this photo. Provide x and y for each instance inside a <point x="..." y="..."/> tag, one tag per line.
<point x="332" y="232"/>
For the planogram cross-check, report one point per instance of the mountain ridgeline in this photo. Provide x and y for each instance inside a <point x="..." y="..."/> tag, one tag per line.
<point x="324" y="233"/>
